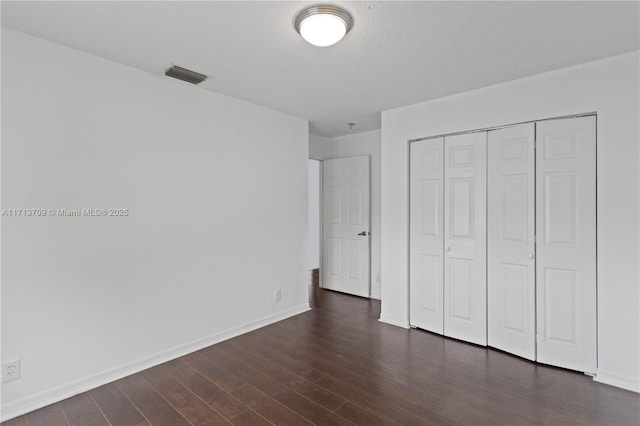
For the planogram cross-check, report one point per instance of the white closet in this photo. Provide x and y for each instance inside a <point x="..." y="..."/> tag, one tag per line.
<point x="511" y="264"/>
<point x="566" y="243"/>
<point x="426" y="273"/>
<point x="448" y="236"/>
<point x="465" y="241"/>
<point x="521" y="278"/>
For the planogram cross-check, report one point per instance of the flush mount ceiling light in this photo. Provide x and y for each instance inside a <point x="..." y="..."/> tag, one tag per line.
<point x="323" y="24"/>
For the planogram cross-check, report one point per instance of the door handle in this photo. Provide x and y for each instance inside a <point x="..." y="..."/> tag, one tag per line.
<point x="448" y="248"/>
<point x="363" y="233"/>
<point x="531" y="256"/>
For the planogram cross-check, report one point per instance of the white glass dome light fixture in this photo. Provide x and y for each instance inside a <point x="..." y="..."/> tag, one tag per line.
<point x="323" y="24"/>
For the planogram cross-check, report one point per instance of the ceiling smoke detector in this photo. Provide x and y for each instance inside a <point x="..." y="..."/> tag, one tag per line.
<point x="323" y="24"/>
<point x="185" y="75"/>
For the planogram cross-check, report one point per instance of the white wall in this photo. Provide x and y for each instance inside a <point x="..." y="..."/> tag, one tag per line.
<point x="609" y="87"/>
<point x="366" y="143"/>
<point x="217" y="194"/>
<point x="319" y="147"/>
<point x="313" y="239"/>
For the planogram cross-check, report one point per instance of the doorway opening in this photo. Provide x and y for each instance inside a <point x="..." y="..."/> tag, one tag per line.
<point x="314" y="231"/>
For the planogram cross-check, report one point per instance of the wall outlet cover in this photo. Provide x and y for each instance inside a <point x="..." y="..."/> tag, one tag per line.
<point x="10" y="371"/>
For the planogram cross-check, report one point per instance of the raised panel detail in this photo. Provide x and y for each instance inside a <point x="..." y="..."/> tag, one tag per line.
<point x="461" y="156"/>
<point x="515" y="150"/>
<point x="514" y="209"/>
<point x="335" y="218"/>
<point x="355" y="203"/>
<point x="335" y="254"/>
<point x="560" y="295"/>
<point x="560" y="195"/>
<point x="429" y="208"/>
<point x="461" y="287"/>
<point x="461" y="208"/>
<point x="429" y="160"/>
<point x="514" y="300"/>
<point x="429" y="281"/>
<point x="355" y="263"/>
<point x="560" y="146"/>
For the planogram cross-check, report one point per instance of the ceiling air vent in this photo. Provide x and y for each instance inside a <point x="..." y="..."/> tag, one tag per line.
<point x="185" y="75"/>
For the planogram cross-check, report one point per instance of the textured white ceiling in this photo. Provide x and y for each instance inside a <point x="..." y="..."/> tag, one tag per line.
<point x="398" y="53"/>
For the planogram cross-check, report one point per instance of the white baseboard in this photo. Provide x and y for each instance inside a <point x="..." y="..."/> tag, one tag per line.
<point x="617" y="380"/>
<point x="394" y="322"/>
<point x="42" y="399"/>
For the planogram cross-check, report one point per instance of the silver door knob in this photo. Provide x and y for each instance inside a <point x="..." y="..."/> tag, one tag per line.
<point x="448" y="248"/>
<point x="530" y="255"/>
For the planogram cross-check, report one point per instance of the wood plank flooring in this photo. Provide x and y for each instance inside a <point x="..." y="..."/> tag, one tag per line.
<point x="337" y="365"/>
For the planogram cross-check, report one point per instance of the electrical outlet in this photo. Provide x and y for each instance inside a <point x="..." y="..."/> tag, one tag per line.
<point x="277" y="295"/>
<point x="11" y="371"/>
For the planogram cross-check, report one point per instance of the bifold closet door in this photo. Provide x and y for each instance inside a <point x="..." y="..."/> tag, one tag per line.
<point x="465" y="263"/>
<point x="426" y="235"/>
<point x="511" y="285"/>
<point x="566" y="242"/>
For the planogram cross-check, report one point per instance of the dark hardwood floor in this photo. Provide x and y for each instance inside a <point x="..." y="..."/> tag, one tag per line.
<point x="337" y="365"/>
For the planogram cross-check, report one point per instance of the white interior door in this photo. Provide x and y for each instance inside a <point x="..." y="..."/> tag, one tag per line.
<point x="345" y="242"/>
<point x="566" y="242"/>
<point x="465" y="262"/>
<point x="511" y="286"/>
<point x="426" y="235"/>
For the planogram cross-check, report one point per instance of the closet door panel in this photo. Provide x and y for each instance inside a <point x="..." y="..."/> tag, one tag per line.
<point x="465" y="238"/>
<point x="426" y="234"/>
<point x="511" y="240"/>
<point x="566" y="243"/>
